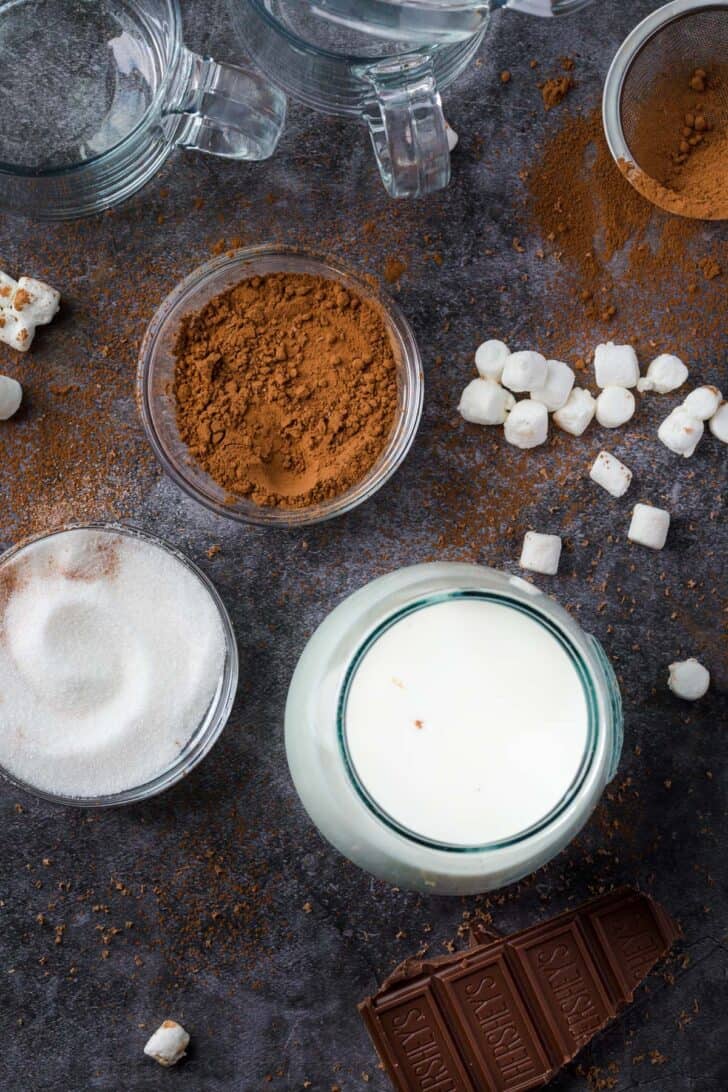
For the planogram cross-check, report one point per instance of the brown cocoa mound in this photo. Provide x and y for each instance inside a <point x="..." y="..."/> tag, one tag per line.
<point x="286" y="388"/>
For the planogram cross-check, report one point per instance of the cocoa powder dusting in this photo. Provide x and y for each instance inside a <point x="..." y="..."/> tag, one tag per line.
<point x="680" y="144"/>
<point x="286" y="388"/>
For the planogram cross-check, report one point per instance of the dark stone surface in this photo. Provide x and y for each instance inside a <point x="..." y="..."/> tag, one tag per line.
<point x="233" y="915"/>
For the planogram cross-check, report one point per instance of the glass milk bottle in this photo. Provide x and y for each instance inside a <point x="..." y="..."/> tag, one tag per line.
<point x="450" y="728"/>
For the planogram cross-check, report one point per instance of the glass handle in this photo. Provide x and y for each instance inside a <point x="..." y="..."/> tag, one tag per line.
<point x="223" y="109"/>
<point x="407" y="126"/>
<point x="615" y="703"/>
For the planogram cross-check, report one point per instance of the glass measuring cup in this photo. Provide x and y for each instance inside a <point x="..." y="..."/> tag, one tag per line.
<point x="95" y="96"/>
<point x="383" y="62"/>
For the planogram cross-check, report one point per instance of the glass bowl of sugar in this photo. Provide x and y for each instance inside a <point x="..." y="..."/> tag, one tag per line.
<point x="263" y="401"/>
<point x="118" y="665"/>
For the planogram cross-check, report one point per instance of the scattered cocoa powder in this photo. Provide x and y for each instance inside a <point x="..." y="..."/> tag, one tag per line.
<point x="393" y="269"/>
<point x="679" y="144"/>
<point x="286" y="388"/>
<point x="555" y="90"/>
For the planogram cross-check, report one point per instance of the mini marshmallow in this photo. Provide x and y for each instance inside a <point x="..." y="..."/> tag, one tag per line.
<point x="11" y="395"/>
<point x="611" y="474"/>
<point x="35" y="302"/>
<point x="649" y="526"/>
<point x="681" y="432"/>
<point x="703" y="402"/>
<point x="527" y="425"/>
<point x="541" y="553"/>
<point x="490" y="359"/>
<point x="557" y="388"/>
<point x="666" y="373"/>
<point x="718" y="423"/>
<point x="24" y="305"/>
<point x="452" y="137"/>
<point x="485" y="402"/>
<point x="688" y="679"/>
<point x="524" y="371"/>
<point x="616" y="365"/>
<point x="577" y="412"/>
<point x="168" y="1044"/>
<point x="615" y="406"/>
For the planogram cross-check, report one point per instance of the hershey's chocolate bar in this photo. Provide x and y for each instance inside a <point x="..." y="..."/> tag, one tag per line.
<point x="507" y="1014"/>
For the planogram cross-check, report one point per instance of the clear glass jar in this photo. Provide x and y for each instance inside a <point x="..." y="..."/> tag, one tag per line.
<point x="97" y="95"/>
<point x="329" y="787"/>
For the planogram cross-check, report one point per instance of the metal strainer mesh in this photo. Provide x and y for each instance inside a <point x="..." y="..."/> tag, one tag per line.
<point x="696" y="39"/>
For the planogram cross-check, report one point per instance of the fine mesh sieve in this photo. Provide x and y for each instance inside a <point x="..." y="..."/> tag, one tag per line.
<point x="662" y="51"/>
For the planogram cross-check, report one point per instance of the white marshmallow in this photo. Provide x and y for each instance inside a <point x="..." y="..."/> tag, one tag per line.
<point x="524" y="371"/>
<point x="681" y="432"/>
<point x="452" y="137"/>
<point x="688" y="679"/>
<point x="485" y="402"/>
<point x="490" y="359"/>
<point x="703" y="402"/>
<point x="527" y="425"/>
<point x="616" y="365"/>
<point x="718" y="423"/>
<point x="577" y="412"/>
<point x="615" y="406"/>
<point x="14" y="331"/>
<point x="24" y="305"/>
<point x="7" y="291"/>
<point x="541" y="553"/>
<point x="11" y="395"/>
<point x="666" y="373"/>
<point x="35" y="302"/>
<point x="649" y="526"/>
<point x="611" y="474"/>
<point x="168" y="1044"/>
<point x="557" y="388"/>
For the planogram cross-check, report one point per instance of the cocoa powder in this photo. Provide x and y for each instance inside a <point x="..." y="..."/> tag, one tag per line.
<point x="679" y="143"/>
<point x="286" y="388"/>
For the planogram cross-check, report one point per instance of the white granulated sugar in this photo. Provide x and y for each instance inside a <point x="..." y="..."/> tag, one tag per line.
<point x="111" y="652"/>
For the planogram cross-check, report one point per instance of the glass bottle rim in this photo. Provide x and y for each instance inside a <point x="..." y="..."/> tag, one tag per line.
<point x="578" y="663"/>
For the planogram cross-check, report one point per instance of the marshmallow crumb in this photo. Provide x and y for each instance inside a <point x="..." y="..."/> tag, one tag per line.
<point x="11" y="395"/>
<point x="541" y="553"/>
<point x="681" y="432"/>
<point x="168" y="1044"/>
<point x="616" y="365"/>
<point x="527" y="425"/>
<point x="666" y="373"/>
<point x="649" y="526"/>
<point x="611" y="474"/>
<point x="615" y="406"/>
<point x="688" y="679"/>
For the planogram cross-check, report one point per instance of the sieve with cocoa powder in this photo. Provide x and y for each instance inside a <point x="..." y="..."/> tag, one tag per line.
<point x="665" y="108"/>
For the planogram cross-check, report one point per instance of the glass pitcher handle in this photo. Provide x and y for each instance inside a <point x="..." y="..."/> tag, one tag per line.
<point x="222" y="109"/>
<point x="407" y="126"/>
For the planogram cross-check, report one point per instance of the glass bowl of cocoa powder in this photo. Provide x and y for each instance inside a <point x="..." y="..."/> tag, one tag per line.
<point x="279" y="388"/>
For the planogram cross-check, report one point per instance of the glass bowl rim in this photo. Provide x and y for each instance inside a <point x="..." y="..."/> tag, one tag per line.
<point x="217" y="714"/>
<point x="410" y="365"/>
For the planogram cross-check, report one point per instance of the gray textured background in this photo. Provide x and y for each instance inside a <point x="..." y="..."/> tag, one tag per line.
<point x="207" y="884"/>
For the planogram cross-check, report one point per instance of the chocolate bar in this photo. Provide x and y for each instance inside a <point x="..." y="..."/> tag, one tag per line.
<point x="510" y="1012"/>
